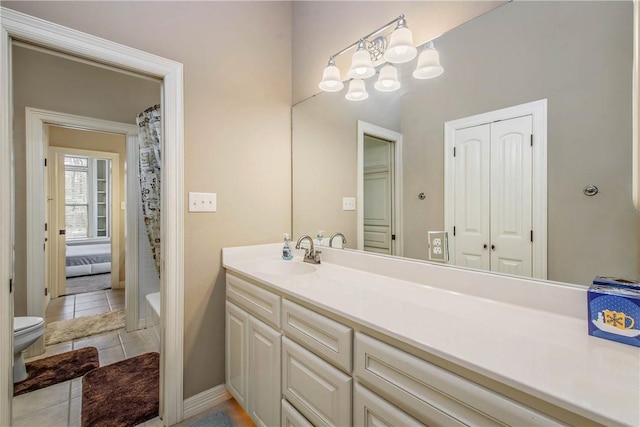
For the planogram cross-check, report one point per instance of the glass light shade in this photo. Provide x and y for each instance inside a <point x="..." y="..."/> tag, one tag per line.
<point x="361" y="66"/>
<point x="331" y="81"/>
<point x="357" y="91"/>
<point x="400" y="48"/>
<point x="388" y="79"/>
<point x="428" y="64"/>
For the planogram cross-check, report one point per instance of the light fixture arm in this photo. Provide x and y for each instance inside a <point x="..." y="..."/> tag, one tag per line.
<point x="400" y="19"/>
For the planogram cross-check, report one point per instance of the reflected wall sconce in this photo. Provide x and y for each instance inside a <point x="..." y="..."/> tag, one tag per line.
<point x="398" y="50"/>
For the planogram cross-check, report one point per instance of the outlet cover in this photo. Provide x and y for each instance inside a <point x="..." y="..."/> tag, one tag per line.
<point x="348" y="203"/>
<point x="202" y="202"/>
<point x="438" y="246"/>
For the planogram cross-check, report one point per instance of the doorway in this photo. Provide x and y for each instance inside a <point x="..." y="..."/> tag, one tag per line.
<point x="68" y="41"/>
<point x="379" y="189"/>
<point x="84" y="215"/>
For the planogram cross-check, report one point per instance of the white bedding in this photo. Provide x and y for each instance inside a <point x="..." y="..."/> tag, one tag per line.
<point x="87" y="259"/>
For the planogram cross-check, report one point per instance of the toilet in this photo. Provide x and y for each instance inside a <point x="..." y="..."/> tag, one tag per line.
<point x="26" y="330"/>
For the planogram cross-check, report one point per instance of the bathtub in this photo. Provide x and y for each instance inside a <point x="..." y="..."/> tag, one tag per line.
<point x="152" y="321"/>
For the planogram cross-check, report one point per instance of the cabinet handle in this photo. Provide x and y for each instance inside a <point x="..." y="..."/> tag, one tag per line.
<point x="485" y="246"/>
<point x="493" y="247"/>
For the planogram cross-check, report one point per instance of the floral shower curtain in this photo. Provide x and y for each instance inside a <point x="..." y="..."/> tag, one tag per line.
<point x="149" y="141"/>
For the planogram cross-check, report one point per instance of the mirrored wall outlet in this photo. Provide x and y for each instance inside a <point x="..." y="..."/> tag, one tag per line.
<point x="438" y="246"/>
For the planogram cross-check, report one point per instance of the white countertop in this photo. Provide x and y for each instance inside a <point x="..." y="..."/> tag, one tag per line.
<point x="546" y="354"/>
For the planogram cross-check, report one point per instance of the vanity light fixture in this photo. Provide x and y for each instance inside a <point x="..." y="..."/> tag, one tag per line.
<point x="361" y="65"/>
<point x="401" y="48"/>
<point x="370" y="50"/>
<point x="388" y="79"/>
<point x="331" y="80"/>
<point x="428" y="63"/>
<point x="357" y="90"/>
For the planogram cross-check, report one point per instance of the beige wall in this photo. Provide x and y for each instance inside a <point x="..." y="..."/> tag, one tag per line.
<point x="322" y="28"/>
<point x="53" y="83"/>
<point x="98" y="141"/>
<point x="576" y="54"/>
<point x="237" y="69"/>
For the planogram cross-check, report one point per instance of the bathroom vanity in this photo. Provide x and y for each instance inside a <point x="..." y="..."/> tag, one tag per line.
<point x="363" y="339"/>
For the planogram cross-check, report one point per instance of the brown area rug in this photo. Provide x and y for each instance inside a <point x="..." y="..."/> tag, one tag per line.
<point x="124" y="393"/>
<point x="71" y="329"/>
<point x="56" y="369"/>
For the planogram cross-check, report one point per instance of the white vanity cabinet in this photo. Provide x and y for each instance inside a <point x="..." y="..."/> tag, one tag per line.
<point x="370" y="410"/>
<point x="434" y="395"/>
<point x="314" y="387"/>
<point x="253" y="350"/>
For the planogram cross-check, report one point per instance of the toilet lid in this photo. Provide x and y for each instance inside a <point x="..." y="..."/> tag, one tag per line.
<point x="22" y="323"/>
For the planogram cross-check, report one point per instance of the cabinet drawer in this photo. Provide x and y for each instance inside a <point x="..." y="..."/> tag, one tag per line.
<point x="327" y="338"/>
<point x="316" y="389"/>
<point x="291" y="417"/>
<point x="370" y="410"/>
<point x="432" y="394"/>
<point x="259" y="302"/>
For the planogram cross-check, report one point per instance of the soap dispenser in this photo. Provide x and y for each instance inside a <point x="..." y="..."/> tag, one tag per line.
<point x="286" y="249"/>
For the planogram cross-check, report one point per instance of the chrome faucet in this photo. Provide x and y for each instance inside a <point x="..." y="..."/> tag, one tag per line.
<point x="311" y="255"/>
<point x="344" y="239"/>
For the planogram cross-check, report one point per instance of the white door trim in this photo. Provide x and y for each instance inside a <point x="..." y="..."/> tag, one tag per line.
<point x="57" y="37"/>
<point x="538" y="110"/>
<point x="379" y="132"/>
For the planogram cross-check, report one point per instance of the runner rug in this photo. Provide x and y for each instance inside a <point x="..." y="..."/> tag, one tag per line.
<point x="56" y="369"/>
<point x="71" y="329"/>
<point x="125" y="393"/>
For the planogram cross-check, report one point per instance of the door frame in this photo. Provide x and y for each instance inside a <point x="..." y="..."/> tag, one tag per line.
<point x="114" y="211"/>
<point x="538" y="111"/>
<point x="36" y="120"/>
<point x="43" y="33"/>
<point x="364" y="128"/>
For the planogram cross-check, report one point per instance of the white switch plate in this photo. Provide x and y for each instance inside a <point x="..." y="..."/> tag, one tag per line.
<point x="202" y="202"/>
<point x="348" y="203"/>
<point x="438" y="246"/>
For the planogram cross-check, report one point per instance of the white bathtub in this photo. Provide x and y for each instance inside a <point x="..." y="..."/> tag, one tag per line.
<point x="153" y="317"/>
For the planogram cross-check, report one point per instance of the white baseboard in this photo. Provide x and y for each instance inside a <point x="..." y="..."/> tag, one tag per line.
<point x="205" y="400"/>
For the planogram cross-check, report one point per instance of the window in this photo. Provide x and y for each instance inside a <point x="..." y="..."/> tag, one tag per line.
<point x="87" y="197"/>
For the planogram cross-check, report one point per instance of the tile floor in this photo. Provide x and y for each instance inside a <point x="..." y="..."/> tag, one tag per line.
<point x="60" y="404"/>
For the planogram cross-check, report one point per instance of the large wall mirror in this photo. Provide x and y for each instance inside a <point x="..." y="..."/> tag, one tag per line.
<point x="575" y="55"/>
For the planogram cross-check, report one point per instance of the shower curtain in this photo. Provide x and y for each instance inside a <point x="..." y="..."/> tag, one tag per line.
<point x="149" y="142"/>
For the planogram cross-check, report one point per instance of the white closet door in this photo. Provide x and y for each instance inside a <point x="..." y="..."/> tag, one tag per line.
<point x="472" y="204"/>
<point x="511" y="186"/>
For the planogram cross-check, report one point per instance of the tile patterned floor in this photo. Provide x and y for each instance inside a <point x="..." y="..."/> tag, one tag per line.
<point x="59" y="405"/>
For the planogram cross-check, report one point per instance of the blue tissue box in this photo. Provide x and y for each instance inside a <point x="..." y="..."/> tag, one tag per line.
<point x="614" y="311"/>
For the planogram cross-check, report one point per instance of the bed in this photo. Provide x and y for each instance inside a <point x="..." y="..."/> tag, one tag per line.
<point x="88" y="258"/>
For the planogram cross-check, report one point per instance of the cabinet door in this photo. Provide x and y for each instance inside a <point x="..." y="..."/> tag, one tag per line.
<point x="264" y="373"/>
<point x="291" y="417"/>
<point x="370" y="410"/>
<point x="236" y="352"/>
<point x="319" y="391"/>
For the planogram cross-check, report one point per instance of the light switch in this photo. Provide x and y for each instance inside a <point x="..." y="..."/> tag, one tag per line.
<point x="348" y="203"/>
<point x="202" y="202"/>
